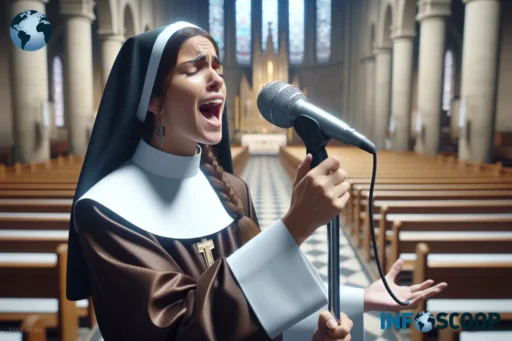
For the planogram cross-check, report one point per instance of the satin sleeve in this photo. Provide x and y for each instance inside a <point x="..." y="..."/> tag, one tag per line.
<point x="140" y="293"/>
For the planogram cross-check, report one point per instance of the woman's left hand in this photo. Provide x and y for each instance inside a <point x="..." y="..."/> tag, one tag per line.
<point x="377" y="298"/>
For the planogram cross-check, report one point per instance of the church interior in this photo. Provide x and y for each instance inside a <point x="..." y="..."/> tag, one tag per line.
<point x="428" y="81"/>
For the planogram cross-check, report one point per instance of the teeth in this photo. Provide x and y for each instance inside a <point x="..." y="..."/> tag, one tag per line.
<point x="214" y="101"/>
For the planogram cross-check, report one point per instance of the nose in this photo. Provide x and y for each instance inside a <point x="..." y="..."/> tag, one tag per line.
<point x="215" y="81"/>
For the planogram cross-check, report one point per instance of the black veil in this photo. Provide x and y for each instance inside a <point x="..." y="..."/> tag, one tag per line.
<point x="116" y="134"/>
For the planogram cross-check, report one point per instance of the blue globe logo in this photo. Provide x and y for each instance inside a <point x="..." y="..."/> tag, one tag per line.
<point x="30" y="30"/>
<point x="424" y="321"/>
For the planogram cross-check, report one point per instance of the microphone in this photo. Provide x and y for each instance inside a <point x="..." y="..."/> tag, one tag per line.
<point x="280" y="103"/>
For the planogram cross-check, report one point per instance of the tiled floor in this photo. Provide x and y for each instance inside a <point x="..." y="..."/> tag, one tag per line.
<point x="271" y="193"/>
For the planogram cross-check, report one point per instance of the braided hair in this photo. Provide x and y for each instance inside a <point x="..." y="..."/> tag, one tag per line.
<point x="247" y="228"/>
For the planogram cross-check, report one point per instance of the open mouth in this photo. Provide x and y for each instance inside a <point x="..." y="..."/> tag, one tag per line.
<point x="211" y="110"/>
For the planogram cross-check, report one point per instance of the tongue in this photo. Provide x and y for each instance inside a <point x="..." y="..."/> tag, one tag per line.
<point x="208" y="112"/>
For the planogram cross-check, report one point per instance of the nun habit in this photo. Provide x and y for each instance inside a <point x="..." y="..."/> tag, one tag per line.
<point x="153" y="245"/>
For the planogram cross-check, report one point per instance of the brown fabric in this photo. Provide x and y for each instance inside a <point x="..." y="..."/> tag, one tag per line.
<point x="146" y="287"/>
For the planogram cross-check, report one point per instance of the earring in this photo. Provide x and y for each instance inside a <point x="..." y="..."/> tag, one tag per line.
<point x="160" y="130"/>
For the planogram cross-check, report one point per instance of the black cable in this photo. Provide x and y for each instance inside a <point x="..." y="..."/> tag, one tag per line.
<point x="370" y="206"/>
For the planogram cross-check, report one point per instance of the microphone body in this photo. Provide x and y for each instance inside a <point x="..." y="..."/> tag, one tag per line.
<point x="332" y="126"/>
<point x="281" y="103"/>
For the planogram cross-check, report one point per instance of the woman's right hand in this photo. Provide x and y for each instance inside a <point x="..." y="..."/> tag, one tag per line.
<point x="318" y="195"/>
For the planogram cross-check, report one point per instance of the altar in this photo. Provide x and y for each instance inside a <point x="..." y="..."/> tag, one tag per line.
<point x="264" y="144"/>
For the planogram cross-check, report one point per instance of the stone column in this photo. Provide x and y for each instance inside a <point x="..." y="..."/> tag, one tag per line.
<point x="369" y="97"/>
<point x="29" y="79"/>
<point x="110" y="46"/>
<point x="479" y="72"/>
<point x="78" y="89"/>
<point x="432" y="17"/>
<point x="382" y="95"/>
<point x="401" y="90"/>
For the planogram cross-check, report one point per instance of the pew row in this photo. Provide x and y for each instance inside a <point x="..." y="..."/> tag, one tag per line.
<point x="353" y="223"/>
<point x="381" y="209"/>
<point x="475" y="284"/>
<point x="47" y="299"/>
<point x="35" y="205"/>
<point x="424" y="195"/>
<point x="432" y="223"/>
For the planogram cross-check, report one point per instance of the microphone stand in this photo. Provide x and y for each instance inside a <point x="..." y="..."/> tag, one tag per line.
<point x="310" y="132"/>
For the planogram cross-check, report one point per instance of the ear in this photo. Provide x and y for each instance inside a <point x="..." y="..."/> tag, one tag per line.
<point x="155" y="105"/>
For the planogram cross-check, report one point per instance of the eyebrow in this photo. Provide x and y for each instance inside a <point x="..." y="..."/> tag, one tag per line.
<point x="200" y="58"/>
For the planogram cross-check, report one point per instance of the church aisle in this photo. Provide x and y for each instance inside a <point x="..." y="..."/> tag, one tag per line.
<point x="271" y="193"/>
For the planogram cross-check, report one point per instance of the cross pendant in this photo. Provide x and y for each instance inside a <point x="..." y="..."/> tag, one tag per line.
<point x="205" y="247"/>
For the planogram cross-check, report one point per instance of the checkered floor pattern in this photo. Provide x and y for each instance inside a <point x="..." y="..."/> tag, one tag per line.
<point x="271" y="193"/>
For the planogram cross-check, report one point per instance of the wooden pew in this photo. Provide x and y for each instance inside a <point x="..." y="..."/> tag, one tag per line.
<point x="353" y="223"/>
<point x="36" y="205"/>
<point x="45" y="276"/>
<point x="484" y="335"/>
<point x="34" y="221"/>
<point x="240" y="157"/>
<point x="32" y="328"/>
<point x="442" y="223"/>
<point x="30" y="241"/>
<point x="403" y="243"/>
<point x="384" y="207"/>
<point x="34" y="187"/>
<point x="475" y="284"/>
<point x="426" y="195"/>
<point x="36" y="194"/>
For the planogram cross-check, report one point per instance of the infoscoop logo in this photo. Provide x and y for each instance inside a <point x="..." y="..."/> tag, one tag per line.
<point x="426" y="321"/>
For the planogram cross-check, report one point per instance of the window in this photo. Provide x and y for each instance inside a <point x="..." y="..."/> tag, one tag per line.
<point x="296" y="31"/>
<point x="448" y="82"/>
<point x="323" y="30"/>
<point x="269" y="15"/>
<point x="57" y="90"/>
<point x="243" y="31"/>
<point x="216" y="21"/>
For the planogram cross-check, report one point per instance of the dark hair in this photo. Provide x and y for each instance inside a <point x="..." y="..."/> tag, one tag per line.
<point x="210" y="166"/>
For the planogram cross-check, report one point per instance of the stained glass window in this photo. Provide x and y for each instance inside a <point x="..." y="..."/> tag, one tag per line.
<point x="323" y="30"/>
<point x="243" y="31"/>
<point x="296" y="31"/>
<point x="216" y="22"/>
<point x="57" y="90"/>
<point x="448" y="82"/>
<point x="269" y="15"/>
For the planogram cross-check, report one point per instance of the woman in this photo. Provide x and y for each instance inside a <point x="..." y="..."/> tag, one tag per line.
<point x="165" y="240"/>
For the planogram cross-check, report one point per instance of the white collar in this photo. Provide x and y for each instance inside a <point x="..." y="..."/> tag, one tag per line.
<point x="164" y="164"/>
<point x="164" y="194"/>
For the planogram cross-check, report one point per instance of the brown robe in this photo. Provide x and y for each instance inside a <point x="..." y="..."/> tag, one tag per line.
<point x="146" y="287"/>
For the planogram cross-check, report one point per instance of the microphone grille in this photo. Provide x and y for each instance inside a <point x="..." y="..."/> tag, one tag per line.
<point x="276" y="101"/>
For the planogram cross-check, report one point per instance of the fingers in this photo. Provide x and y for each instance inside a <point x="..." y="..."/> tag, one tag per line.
<point x="326" y="320"/>
<point x="421" y="286"/>
<point x="337" y="177"/>
<point x="346" y="338"/>
<point x="342" y="201"/>
<point x="342" y="331"/>
<point x="395" y="270"/>
<point x="303" y="168"/>
<point x="339" y="190"/>
<point x="425" y="294"/>
<point x="327" y="166"/>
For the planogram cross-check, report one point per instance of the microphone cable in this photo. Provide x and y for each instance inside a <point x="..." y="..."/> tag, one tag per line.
<point x="375" y="251"/>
